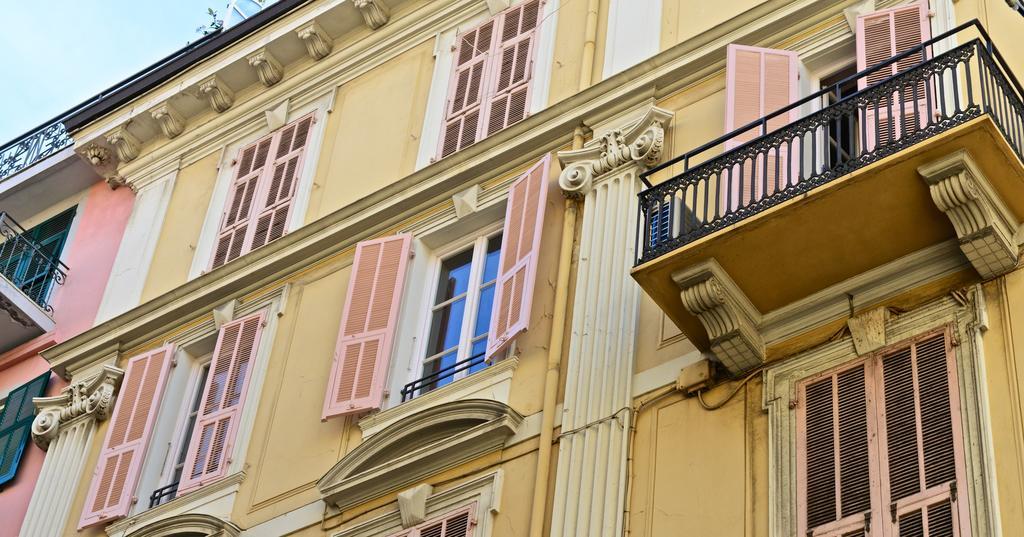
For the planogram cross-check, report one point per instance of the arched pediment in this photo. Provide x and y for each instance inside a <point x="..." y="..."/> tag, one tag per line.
<point x="189" y="525"/>
<point x="418" y="446"/>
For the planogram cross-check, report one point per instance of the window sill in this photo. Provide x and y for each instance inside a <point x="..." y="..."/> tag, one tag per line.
<point x="215" y="499"/>
<point x="493" y="384"/>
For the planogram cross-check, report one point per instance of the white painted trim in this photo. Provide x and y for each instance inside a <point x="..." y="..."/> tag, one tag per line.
<point x="216" y="499"/>
<point x="544" y="58"/>
<point x="663" y="374"/>
<point x="634" y="34"/>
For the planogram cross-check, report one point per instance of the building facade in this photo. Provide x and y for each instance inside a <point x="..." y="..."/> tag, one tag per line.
<point x="550" y="267"/>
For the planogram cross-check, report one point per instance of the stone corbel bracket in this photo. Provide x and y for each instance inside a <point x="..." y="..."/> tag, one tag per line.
<point x="218" y="92"/>
<point x="90" y="398"/>
<point x="267" y="67"/>
<point x="731" y="320"/>
<point x="642" y="142"/>
<point x="375" y="12"/>
<point x="318" y="43"/>
<point x="124" y="142"/>
<point x="984" y="225"/>
<point x="171" y="122"/>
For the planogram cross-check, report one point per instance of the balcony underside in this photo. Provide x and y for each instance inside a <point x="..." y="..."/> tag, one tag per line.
<point x="21" y="319"/>
<point x="847" y="227"/>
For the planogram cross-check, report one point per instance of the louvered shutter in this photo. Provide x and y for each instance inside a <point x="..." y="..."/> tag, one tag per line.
<point x="520" y="249"/>
<point x="117" y="474"/>
<point x="368" y="325"/>
<point x="509" y="82"/>
<point x="279" y="192"/>
<point x="234" y="226"/>
<point x="464" y="105"/>
<point x="759" y="81"/>
<point x="922" y="466"/>
<point x="880" y="36"/>
<point x="213" y="436"/>
<point x="16" y="422"/>
<point x="835" y="472"/>
<point x="459" y="523"/>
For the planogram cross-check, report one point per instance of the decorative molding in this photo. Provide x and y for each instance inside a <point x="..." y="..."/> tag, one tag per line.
<point x="277" y="116"/>
<point x="641" y="142"/>
<point x="467" y="201"/>
<point x="412" y="504"/>
<point x="497" y="6"/>
<point x="15" y="312"/>
<point x="318" y="43"/>
<point x="375" y="12"/>
<point x="124" y="142"/>
<point x="221" y="95"/>
<point x="214" y="500"/>
<point x="867" y="330"/>
<point x="171" y="122"/>
<point x="189" y="524"/>
<point x="983" y="223"/>
<point x="730" y="319"/>
<point x="397" y="456"/>
<point x="860" y="8"/>
<point x="267" y="67"/>
<point x="90" y="398"/>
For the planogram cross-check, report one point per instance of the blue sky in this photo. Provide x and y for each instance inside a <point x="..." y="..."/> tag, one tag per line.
<point x="55" y="54"/>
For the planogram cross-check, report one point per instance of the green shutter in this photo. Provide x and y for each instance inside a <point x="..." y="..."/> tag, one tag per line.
<point x="16" y="422"/>
<point x="20" y="263"/>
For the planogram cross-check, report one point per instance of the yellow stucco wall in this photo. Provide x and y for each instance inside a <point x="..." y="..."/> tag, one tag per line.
<point x="681" y="20"/>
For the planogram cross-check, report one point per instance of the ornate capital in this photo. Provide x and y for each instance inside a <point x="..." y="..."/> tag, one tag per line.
<point x="640" y="143"/>
<point x="984" y="224"/>
<point x="318" y="43"/>
<point x="375" y="12"/>
<point x="220" y="94"/>
<point x="170" y="120"/>
<point x="124" y="142"/>
<point x="91" y="398"/>
<point x="268" y="69"/>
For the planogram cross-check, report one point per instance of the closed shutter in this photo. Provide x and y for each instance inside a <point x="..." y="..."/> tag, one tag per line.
<point x="922" y="466"/>
<point x="279" y="193"/>
<point x="509" y="91"/>
<point x="834" y="454"/>
<point x="465" y="100"/>
<point x="459" y="523"/>
<point x="880" y="36"/>
<point x="116" y="476"/>
<point x="759" y="81"/>
<point x="213" y="437"/>
<point x="520" y="250"/>
<point x="16" y="422"/>
<point x="234" y="227"/>
<point x="368" y="325"/>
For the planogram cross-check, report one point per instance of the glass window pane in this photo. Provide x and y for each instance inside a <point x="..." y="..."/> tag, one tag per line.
<point x="454" y="277"/>
<point x="446" y="327"/>
<point x="433" y="366"/>
<point x="478" y="348"/>
<point x="491" y="261"/>
<point x="483" y="311"/>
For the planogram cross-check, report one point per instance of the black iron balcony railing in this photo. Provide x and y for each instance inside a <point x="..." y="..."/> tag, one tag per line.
<point x="163" y="495"/>
<point x="33" y="147"/>
<point x="931" y="94"/>
<point x="26" y="265"/>
<point x="433" y="380"/>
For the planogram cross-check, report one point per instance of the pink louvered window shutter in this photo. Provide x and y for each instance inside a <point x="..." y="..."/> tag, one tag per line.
<point x="520" y="248"/>
<point x="213" y="436"/>
<point x="458" y="523"/>
<point x="279" y="192"/>
<point x="112" y="490"/>
<point x="880" y="36"/>
<point x="512" y="70"/>
<point x="922" y="466"/>
<point x="759" y="81"/>
<point x="465" y="102"/>
<point x="368" y="324"/>
<point x="234" y="226"/>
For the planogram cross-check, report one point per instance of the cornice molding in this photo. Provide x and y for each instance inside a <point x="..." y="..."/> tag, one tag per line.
<point x="318" y="43"/>
<point x="268" y="68"/>
<point x="124" y="142"/>
<point x="92" y="398"/>
<point x="221" y="95"/>
<point x="170" y="120"/>
<point x="190" y="524"/>
<point x="375" y="12"/>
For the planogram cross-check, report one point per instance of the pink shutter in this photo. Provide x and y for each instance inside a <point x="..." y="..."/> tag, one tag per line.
<point x="835" y="474"/>
<point x="234" y="226"/>
<point x="759" y="81"/>
<point x="459" y="523"/>
<point x="520" y="248"/>
<point x="279" y="191"/>
<point x="922" y="468"/>
<point x="112" y="490"/>
<point x="512" y="69"/>
<point x="213" y="436"/>
<point x="464" y="104"/>
<point x="880" y="36"/>
<point x="368" y="325"/>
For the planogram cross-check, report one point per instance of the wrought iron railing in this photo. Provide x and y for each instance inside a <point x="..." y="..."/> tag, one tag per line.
<point x="26" y="265"/>
<point x="163" y="494"/>
<point x="433" y="380"/>
<point x="32" y="147"/>
<point x="833" y="134"/>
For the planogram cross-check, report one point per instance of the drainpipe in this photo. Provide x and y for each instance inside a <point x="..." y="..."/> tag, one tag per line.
<point x="589" y="46"/>
<point x="551" y="378"/>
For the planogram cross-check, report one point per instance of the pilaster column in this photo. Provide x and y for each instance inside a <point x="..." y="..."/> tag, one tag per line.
<point x="591" y="473"/>
<point x="64" y="427"/>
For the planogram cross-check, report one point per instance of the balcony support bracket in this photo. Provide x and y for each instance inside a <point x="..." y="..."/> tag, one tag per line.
<point x="984" y="225"/>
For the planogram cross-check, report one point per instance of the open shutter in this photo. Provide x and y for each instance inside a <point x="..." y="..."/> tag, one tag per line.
<point x="922" y="467"/>
<point x="234" y="226"/>
<point x="509" y="91"/>
<point x="759" y="81"/>
<point x="459" y="523"/>
<point x="213" y="438"/>
<point x="835" y="472"/>
<point x="116" y="476"/>
<point x="880" y="36"/>
<point x="16" y="422"/>
<point x="368" y="325"/>
<point x="464" y="104"/>
<point x="278" y="195"/>
<point x="520" y="246"/>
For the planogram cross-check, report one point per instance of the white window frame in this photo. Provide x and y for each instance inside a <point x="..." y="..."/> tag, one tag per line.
<point x="193" y="391"/>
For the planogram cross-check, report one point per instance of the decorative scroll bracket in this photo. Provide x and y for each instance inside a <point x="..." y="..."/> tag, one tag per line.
<point x="91" y="398"/>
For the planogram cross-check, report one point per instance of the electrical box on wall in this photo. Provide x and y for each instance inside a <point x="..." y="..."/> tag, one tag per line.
<point x="696" y="377"/>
